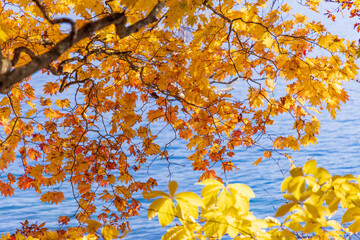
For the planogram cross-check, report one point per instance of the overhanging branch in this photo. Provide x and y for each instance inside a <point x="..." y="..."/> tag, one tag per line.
<point x="8" y="79"/>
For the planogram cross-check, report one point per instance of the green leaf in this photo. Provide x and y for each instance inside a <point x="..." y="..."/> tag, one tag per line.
<point x="166" y="212"/>
<point x="172" y="188"/>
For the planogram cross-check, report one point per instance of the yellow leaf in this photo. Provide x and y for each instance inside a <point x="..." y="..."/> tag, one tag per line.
<point x="309" y="166"/>
<point x="295" y="226"/>
<point x="166" y="212"/>
<point x="154" y="194"/>
<point x="224" y="200"/>
<point x="269" y="42"/>
<point x="185" y="210"/>
<point x="191" y="198"/>
<point x="211" y="190"/>
<point x="50" y="235"/>
<point x="51" y="114"/>
<point x="285" y="8"/>
<point x="64" y="103"/>
<point x="257" y="161"/>
<point x="335" y="225"/>
<point x="285" y="184"/>
<point x="355" y="226"/>
<point x="93" y="226"/>
<point x="109" y="232"/>
<point x="284" y="209"/>
<point x="297" y="171"/>
<point x="155" y="206"/>
<point x="312" y="210"/>
<point x="311" y="227"/>
<point x="53" y="197"/>
<point x="288" y="235"/>
<point x="297" y="186"/>
<point x="239" y="203"/>
<point x="322" y="174"/>
<point x="172" y="188"/>
<point x="242" y="189"/>
<point x="177" y="233"/>
<point x="350" y="214"/>
<point x="51" y="88"/>
<point x="208" y="182"/>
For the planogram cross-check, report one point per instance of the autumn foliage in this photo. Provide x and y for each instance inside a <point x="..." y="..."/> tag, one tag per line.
<point x="217" y="73"/>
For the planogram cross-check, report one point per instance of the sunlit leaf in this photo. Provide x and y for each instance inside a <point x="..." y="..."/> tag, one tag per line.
<point x="242" y="189"/>
<point x="155" y="206"/>
<point x="154" y="194"/>
<point x="191" y="198"/>
<point x="172" y="188"/>
<point x="166" y="212"/>
<point x="109" y="232"/>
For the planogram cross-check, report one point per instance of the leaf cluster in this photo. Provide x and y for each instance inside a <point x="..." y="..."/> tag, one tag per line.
<point x="312" y="197"/>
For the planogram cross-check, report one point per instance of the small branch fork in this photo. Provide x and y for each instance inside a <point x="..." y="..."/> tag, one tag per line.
<point x="9" y="78"/>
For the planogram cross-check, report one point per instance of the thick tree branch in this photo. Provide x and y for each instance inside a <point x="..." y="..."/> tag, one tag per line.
<point x="10" y="78"/>
<point x="43" y="61"/>
<point x="150" y="18"/>
<point x="57" y="21"/>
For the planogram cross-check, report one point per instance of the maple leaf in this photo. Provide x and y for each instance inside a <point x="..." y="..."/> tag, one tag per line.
<point x="51" y="88"/>
<point x="53" y="197"/>
<point x="6" y="189"/>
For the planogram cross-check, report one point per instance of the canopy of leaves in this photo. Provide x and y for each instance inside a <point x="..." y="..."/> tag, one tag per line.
<point x="112" y="70"/>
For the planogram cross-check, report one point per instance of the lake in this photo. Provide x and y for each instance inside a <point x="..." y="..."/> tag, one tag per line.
<point x="337" y="150"/>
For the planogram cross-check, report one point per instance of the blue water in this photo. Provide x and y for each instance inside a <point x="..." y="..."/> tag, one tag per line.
<point x="337" y="150"/>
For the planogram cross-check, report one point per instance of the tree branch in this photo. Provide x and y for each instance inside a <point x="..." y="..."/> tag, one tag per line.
<point x="8" y="79"/>
<point x="126" y="31"/>
<point x="73" y="32"/>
